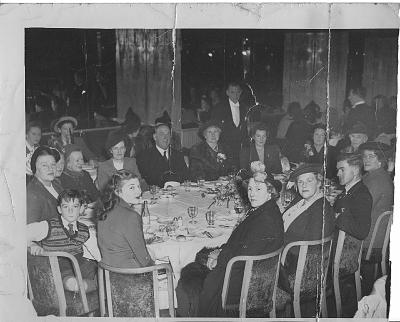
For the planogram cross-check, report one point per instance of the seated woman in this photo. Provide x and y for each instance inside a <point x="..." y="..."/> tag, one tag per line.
<point x="260" y="232"/>
<point x="42" y="191"/>
<point x="210" y="159"/>
<point x="378" y="182"/>
<point x="74" y="177"/>
<point x="260" y="150"/>
<point x="65" y="127"/>
<point x="119" y="231"/>
<point x="115" y="146"/>
<point x="315" y="152"/>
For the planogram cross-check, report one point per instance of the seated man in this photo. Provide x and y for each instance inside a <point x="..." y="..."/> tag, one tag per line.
<point x="66" y="234"/>
<point x="353" y="206"/>
<point x="162" y="163"/>
<point x="74" y="177"/>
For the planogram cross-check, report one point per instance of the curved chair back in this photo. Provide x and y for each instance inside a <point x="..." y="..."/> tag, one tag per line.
<point x="311" y="271"/>
<point x="46" y="289"/>
<point x="259" y="283"/>
<point x="134" y="292"/>
<point x="378" y="224"/>
<point x="347" y="261"/>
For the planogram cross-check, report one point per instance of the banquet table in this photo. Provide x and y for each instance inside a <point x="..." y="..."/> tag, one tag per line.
<point x="181" y="253"/>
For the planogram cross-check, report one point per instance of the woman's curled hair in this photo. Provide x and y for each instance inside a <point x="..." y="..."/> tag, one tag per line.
<point x="114" y="185"/>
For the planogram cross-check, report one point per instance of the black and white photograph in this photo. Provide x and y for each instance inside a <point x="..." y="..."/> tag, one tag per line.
<point x="212" y="161"/>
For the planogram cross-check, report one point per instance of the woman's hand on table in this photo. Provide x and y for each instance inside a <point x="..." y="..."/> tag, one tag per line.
<point x="213" y="258"/>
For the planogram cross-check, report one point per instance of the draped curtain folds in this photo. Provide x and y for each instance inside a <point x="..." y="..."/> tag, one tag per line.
<point x="144" y="70"/>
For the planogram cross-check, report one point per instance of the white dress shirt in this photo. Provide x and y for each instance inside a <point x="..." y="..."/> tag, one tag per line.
<point x="162" y="151"/>
<point x="235" y="112"/>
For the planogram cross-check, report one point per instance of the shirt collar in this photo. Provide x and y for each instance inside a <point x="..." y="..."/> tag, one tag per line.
<point x="348" y="187"/>
<point x="66" y="223"/>
<point x="30" y="147"/>
<point x="358" y="103"/>
<point x="162" y="150"/>
<point x="233" y="104"/>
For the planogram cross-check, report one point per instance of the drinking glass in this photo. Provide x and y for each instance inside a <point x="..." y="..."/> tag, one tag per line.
<point x="192" y="212"/>
<point x="153" y="191"/>
<point x="186" y="184"/>
<point x="287" y="198"/>
<point x="210" y="217"/>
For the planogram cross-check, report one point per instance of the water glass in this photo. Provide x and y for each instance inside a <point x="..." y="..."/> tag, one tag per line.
<point x="192" y="212"/>
<point x="186" y="184"/>
<point x="210" y="217"/>
<point x="153" y="191"/>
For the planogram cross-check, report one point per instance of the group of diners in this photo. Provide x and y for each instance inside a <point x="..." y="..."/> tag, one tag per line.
<point x="59" y="190"/>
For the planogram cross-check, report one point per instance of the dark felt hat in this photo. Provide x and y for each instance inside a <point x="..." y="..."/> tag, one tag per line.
<point x="113" y="138"/>
<point x="132" y="121"/>
<point x="64" y="119"/>
<point x="163" y="120"/>
<point x="41" y="150"/>
<point x="305" y="168"/>
<point x="379" y="148"/>
<point x="208" y="124"/>
<point x="358" y="128"/>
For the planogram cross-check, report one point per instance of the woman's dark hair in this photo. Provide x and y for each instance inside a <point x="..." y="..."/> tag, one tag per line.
<point x="56" y="154"/>
<point x="40" y="151"/>
<point x="144" y="139"/>
<point x="109" y="196"/>
<point x="259" y="126"/>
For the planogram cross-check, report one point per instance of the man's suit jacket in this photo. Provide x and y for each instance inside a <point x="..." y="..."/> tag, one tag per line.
<point x="364" y="114"/>
<point x="156" y="170"/>
<point x="106" y="169"/>
<point x="272" y="158"/>
<point x="40" y="205"/>
<point x="260" y="233"/>
<point x="355" y="206"/>
<point x="232" y="135"/>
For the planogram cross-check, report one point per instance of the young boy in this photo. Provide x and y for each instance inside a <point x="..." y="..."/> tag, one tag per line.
<point x="67" y="234"/>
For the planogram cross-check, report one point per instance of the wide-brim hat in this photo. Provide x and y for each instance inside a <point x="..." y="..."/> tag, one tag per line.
<point x="379" y="148"/>
<point x="163" y="120"/>
<point x="305" y="168"/>
<point x="206" y="125"/>
<point x="63" y="119"/>
<point x="358" y="128"/>
<point x="113" y="138"/>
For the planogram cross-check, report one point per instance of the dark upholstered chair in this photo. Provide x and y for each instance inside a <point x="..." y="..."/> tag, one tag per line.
<point x="346" y="262"/>
<point x="134" y="292"/>
<point x="384" y="220"/>
<point x="259" y="283"/>
<point x="46" y="289"/>
<point x="309" y="280"/>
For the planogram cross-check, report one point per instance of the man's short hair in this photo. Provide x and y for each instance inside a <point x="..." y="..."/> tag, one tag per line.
<point x="69" y="195"/>
<point x="233" y="83"/>
<point x="359" y="90"/>
<point x="31" y="124"/>
<point x="353" y="159"/>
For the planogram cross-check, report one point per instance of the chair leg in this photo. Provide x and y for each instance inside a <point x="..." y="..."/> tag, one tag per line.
<point x="296" y="307"/>
<point x="324" y="309"/>
<point x="375" y="271"/>
<point x="102" y="299"/>
<point x="358" y="284"/>
<point x="383" y="267"/>
<point x="338" y="298"/>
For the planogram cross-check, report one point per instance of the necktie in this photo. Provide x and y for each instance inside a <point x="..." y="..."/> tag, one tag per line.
<point x="71" y="229"/>
<point x="165" y="156"/>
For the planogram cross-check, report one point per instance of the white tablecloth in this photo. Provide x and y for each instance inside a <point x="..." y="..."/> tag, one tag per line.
<point x="181" y="253"/>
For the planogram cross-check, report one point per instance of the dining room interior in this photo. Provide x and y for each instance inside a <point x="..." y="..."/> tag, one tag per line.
<point x="213" y="169"/>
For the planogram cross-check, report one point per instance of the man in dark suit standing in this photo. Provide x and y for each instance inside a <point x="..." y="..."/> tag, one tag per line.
<point x="353" y="206"/>
<point x="162" y="163"/>
<point x="231" y="114"/>
<point x="360" y="112"/>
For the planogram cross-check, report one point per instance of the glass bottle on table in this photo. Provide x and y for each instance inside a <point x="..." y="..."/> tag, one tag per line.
<point x="145" y="213"/>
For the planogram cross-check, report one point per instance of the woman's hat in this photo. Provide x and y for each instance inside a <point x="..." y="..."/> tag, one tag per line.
<point x="64" y="119"/>
<point x="163" y="120"/>
<point x="132" y="121"/>
<point x="113" y="138"/>
<point x="270" y="179"/>
<point x="206" y="125"/>
<point x="305" y="168"/>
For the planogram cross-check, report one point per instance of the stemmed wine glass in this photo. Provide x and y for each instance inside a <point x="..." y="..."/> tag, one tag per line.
<point x="238" y="207"/>
<point x="192" y="212"/>
<point x="153" y="191"/>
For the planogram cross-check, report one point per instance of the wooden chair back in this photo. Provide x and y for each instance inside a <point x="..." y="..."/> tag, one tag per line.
<point x="134" y="292"/>
<point x="46" y="289"/>
<point x="379" y="222"/>
<point x="259" y="283"/>
<point x="347" y="261"/>
<point x="311" y="270"/>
